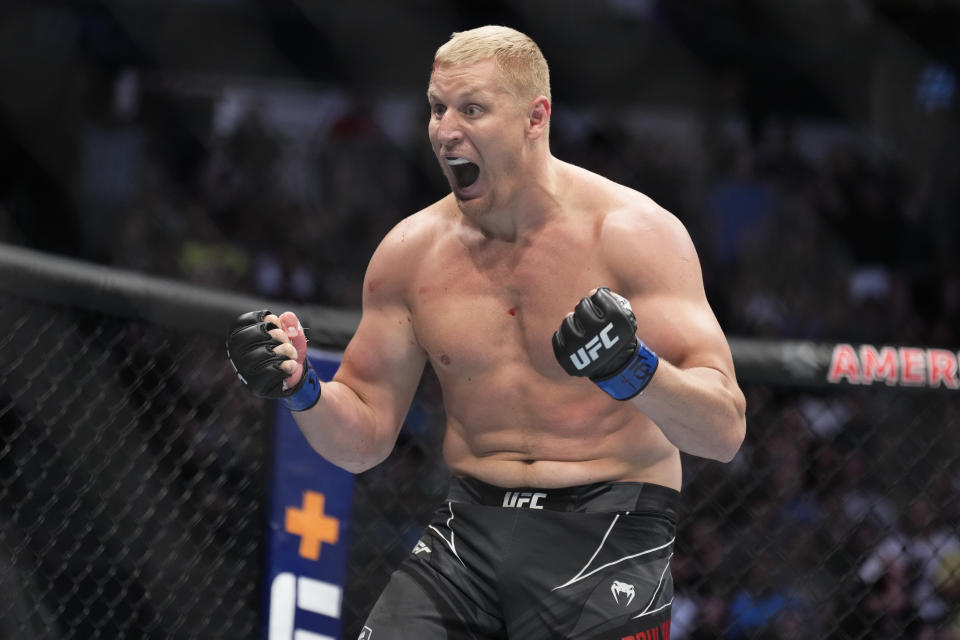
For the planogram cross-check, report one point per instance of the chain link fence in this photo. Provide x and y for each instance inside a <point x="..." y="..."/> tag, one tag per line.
<point x="133" y="471"/>
<point x="131" y="481"/>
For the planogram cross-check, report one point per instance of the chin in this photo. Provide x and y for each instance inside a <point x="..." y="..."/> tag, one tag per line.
<point x="474" y="207"/>
<point x="476" y="200"/>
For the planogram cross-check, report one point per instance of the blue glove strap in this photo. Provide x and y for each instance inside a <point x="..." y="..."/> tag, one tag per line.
<point x="634" y="377"/>
<point x="307" y="391"/>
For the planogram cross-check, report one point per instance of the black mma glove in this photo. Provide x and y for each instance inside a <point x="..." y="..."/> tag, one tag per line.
<point x="250" y="350"/>
<point x="599" y="341"/>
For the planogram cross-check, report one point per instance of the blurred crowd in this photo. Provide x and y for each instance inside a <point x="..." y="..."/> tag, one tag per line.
<point x="802" y="234"/>
<point x="284" y="187"/>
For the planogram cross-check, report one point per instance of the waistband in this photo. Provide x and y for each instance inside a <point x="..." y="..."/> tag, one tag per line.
<point x="600" y="497"/>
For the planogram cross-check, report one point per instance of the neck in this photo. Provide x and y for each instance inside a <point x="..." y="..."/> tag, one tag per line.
<point x="529" y="204"/>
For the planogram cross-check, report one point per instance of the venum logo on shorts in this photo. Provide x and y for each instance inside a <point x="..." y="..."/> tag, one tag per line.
<point x="521" y="499"/>
<point x="623" y="593"/>
<point x="366" y="634"/>
<point x="588" y="352"/>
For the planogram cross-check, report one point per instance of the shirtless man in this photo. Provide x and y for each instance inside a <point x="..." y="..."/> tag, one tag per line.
<point x="564" y="444"/>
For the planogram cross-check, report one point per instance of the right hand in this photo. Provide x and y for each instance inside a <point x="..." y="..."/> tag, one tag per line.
<point x="267" y="352"/>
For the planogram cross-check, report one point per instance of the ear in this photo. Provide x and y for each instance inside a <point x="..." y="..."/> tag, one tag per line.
<point x="538" y="117"/>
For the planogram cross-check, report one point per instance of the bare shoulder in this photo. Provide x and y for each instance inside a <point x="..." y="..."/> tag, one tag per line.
<point x="399" y="255"/>
<point x="651" y="259"/>
<point x="642" y="233"/>
<point x="645" y="246"/>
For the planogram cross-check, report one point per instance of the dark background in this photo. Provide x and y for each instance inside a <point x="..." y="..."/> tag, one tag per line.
<point x="265" y="147"/>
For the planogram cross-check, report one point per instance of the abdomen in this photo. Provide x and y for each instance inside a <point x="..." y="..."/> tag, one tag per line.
<point x="557" y="433"/>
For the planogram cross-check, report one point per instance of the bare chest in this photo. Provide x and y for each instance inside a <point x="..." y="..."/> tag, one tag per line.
<point x="478" y="311"/>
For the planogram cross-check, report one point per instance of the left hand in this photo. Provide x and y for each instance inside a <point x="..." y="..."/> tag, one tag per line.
<point x="598" y="338"/>
<point x="599" y="341"/>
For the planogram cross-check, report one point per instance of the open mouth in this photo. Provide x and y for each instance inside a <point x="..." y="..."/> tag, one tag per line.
<point x="465" y="173"/>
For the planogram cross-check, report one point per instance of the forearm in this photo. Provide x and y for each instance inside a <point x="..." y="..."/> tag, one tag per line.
<point x="345" y="430"/>
<point x="699" y="410"/>
<point x="354" y="420"/>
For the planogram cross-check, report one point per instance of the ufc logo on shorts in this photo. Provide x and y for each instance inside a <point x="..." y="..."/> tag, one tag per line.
<point x="519" y="499"/>
<point x="588" y="352"/>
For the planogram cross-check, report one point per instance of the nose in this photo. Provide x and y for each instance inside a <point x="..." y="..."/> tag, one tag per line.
<point x="448" y="129"/>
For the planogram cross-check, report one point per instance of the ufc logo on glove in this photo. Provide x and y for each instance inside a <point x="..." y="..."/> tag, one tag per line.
<point x="588" y="353"/>
<point x="599" y="341"/>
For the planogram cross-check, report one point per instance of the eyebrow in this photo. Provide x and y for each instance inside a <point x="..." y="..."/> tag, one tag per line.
<point x="469" y="94"/>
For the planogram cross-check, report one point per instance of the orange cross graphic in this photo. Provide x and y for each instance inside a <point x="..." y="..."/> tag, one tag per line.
<point x="313" y="527"/>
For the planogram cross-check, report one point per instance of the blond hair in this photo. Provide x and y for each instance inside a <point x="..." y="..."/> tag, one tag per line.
<point x="516" y="55"/>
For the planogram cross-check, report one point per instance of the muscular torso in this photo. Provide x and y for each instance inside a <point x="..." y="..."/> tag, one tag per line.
<point x="484" y="310"/>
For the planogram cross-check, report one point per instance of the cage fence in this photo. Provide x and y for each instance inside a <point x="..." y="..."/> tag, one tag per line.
<point x="133" y="472"/>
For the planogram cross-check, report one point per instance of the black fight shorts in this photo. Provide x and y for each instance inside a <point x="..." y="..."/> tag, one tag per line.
<point x="586" y="563"/>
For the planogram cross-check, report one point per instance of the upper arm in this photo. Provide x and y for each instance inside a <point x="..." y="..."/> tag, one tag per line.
<point x="383" y="362"/>
<point x="655" y="262"/>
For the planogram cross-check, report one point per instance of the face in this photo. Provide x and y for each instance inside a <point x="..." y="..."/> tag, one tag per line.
<point x="477" y="133"/>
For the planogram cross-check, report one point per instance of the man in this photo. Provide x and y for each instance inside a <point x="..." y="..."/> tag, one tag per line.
<point x="564" y="444"/>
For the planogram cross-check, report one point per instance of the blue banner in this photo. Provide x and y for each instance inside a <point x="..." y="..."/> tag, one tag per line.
<point x="307" y="532"/>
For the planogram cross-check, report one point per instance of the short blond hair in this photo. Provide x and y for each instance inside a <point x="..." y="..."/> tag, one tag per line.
<point x="516" y="55"/>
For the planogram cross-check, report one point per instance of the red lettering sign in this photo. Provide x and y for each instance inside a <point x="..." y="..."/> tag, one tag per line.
<point x="913" y="366"/>
<point x="942" y="365"/>
<point x="844" y="364"/>
<point x="880" y="365"/>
